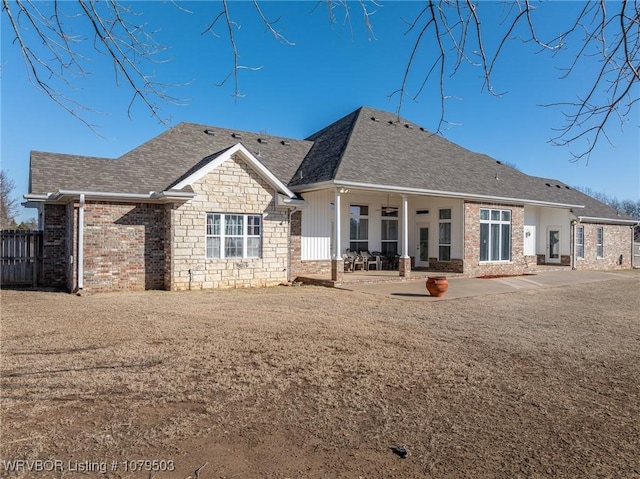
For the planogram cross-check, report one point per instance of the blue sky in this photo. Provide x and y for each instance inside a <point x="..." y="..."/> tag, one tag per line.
<point x="331" y="71"/>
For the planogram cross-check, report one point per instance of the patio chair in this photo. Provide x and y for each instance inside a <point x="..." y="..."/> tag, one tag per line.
<point x="370" y="260"/>
<point x="383" y="261"/>
<point x="348" y="263"/>
<point x="355" y="259"/>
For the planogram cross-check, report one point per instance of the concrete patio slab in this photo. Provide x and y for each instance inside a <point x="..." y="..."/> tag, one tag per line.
<point x="415" y="290"/>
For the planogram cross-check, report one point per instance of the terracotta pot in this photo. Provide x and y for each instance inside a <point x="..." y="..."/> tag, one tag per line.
<point x="437" y="285"/>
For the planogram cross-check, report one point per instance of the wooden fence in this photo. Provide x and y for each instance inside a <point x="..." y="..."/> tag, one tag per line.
<point x="21" y="254"/>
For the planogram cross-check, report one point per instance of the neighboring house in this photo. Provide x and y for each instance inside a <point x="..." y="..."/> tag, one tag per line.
<point x="200" y="207"/>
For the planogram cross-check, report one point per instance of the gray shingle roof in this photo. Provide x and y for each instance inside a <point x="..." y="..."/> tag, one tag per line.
<point x="161" y="161"/>
<point x="366" y="146"/>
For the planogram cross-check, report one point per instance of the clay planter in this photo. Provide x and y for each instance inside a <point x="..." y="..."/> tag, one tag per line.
<point x="437" y="285"/>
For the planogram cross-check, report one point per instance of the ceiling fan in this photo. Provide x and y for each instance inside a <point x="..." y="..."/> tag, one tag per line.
<point x="388" y="208"/>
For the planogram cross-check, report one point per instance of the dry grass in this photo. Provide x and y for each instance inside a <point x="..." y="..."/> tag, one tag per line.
<point x="313" y="382"/>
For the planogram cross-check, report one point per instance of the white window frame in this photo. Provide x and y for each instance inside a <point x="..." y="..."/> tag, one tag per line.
<point x="389" y="217"/>
<point x="359" y="217"/>
<point x="445" y="221"/>
<point x="500" y="222"/>
<point x="599" y="242"/>
<point x="247" y="234"/>
<point x="580" y="242"/>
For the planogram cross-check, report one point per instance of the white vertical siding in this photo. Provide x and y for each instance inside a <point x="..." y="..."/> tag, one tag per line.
<point x="554" y="217"/>
<point x="530" y="230"/>
<point x="316" y="225"/>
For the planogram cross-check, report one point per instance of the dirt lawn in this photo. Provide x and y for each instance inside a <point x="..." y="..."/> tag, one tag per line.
<point x="308" y="382"/>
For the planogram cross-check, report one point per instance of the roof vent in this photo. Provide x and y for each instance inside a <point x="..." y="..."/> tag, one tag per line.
<point x="548" y="185"/>
<point x="422" y="128"/>
<point x="499" y="162"/>
<point x="407" y="125"/>
<point x="391" y="122"/>
<point x="236" y="135"/>
<point x="262" y="140"/>
<point x="373" y="118"/>
<point x="209" y="132"/>
<point x="285" y="143"/>
<point x="558" y="186"/>
<point x="567" y="187"/>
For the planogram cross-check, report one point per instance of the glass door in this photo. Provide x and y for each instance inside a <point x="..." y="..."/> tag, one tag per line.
<point x="553" y="249"/>
<point x="422" y="258"/>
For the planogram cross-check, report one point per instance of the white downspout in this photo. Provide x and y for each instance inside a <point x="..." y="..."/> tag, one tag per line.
<point x="290" y="214"/>
<point x="81" y="242"/>
<point x="574" y="243"/>
<point x="337" y="255"/>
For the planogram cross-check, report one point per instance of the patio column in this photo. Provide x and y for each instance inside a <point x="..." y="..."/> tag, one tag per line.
<point x="337" y="263"/>
<point x="404" y="266"/>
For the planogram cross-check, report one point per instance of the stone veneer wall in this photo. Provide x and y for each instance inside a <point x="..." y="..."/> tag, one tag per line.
<point x="123" y="246"/>
<point x="472" y="264"/>
<point x="233" y="187"/>
<point x="299" y="267"/>
<point x="616" y="242"/>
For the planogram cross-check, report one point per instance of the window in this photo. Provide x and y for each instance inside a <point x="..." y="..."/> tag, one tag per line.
<point x="495" y="235"/>
<point x="580" y="241"/>
<point x="444" y="235"/>
<point x="390" y="231"/>
<point x="358" y="228"/>
<point x="233" y="236"/>
<point x="600" y="242"/>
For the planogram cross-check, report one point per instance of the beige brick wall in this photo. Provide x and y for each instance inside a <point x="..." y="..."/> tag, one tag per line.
<point x="616" y="242"/>
<point x="233" y="187"/>
<point x="472" y="264"/>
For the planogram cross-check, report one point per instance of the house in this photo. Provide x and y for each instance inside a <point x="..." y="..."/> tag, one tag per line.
<point x="199" y="207"/>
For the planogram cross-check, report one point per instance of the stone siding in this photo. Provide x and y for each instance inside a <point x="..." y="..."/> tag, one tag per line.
<point x="616" y="242"/>
<point x="233" y="187"/>
<point x="472" y="264"/>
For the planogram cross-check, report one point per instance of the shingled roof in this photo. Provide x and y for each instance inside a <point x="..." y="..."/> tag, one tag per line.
<point x="367" y="147"/>
<point x="161" y="161"/>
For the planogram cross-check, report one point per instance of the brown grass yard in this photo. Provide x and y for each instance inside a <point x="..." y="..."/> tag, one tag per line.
<point x="306" y="382"/>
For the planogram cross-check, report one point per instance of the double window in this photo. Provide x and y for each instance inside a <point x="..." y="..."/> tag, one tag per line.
<point x="358" y="228"/>
<point x="233" y="236"/>
<point x="495" y="235"/>
<point x="444" y="234"/>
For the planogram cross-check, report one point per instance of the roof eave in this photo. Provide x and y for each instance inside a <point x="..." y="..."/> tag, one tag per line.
<point x="595" y="219"/>
<point x="65" y="196"/>
<point x="426" y="192"/>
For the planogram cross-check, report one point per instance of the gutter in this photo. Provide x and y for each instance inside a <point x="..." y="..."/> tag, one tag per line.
<point x="595" y="219"/>
<point x="153" y="196"/>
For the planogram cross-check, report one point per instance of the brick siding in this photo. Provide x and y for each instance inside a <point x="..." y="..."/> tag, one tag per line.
<point x="56" y="246"/>
<point x="472" y="264"/>
<point x="616" y="242"/>
<point x="123" y="246"/>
